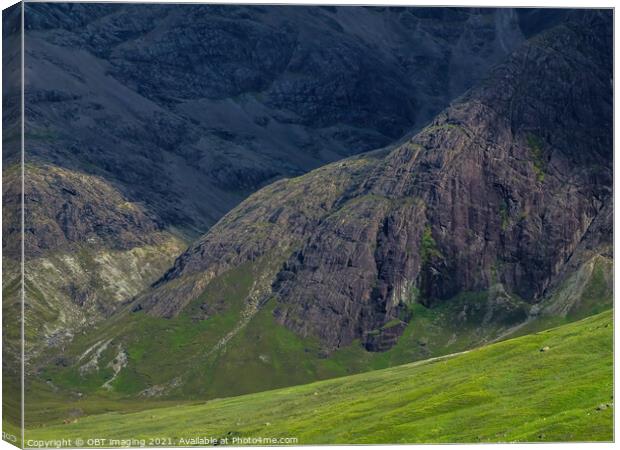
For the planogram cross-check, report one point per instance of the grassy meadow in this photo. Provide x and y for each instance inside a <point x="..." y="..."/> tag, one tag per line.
<point x="554" y="385"/>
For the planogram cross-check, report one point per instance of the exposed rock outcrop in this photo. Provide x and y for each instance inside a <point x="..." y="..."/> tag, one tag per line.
<point x="501" y="188"/>
<point x="87" y="249"/>
<point x="64" y="209"/>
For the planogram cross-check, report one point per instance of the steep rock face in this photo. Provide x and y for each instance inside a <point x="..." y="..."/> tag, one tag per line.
<point x="191" y="108"/>
<point x="508" y="182"/>
<point x="274" y="219"/>
<point x="585" y="282"/>
<point x="498" y="191"/>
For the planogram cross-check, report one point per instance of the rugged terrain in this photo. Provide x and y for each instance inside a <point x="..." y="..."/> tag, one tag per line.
<point x="87" y="248"/>
<point x="488" y="215"/>
<point x="169" y="119"/>
<point x="493" y="221"/>
<point x="141" y="131"/>
<point x="499" y="193"/>
<point x="190" y="108"/>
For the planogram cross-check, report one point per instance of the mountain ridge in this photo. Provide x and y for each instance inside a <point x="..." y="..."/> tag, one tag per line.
<point x="493" y="220"/>
<point x="501" y="150"/>
<point x="277" y="92"/>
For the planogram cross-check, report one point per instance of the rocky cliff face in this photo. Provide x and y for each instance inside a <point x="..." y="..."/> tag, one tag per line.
<point x="190" y="108"/>
<point x="496" y="194"/>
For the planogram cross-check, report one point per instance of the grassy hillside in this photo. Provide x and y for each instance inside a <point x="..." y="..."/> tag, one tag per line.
<point x="271" y="355"/>
<point x="509" y="391"/>
<point x="261" y="355"/>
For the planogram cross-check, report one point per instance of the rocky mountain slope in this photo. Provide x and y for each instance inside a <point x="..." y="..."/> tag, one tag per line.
<point x="492" y="221"/>
<point x="500" y="193"/>
<point x="87" y="249"/>
<point x="139" y="127"/>
<point x="190" y="108"/>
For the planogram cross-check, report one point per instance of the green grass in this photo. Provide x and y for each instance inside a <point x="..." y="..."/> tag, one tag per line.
<point x="176" y="355"/>
<point x="263" y="355"/>
<point x="428" y="246"/>
<point x="509" y="391"/>
<point x="597" y="293"/>
<point x="148" y="340"/>
<point x="448" y="327"/>
<point x="535" y="145"/>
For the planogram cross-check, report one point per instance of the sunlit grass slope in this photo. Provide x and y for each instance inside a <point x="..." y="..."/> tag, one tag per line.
<point x="509" y="391"/>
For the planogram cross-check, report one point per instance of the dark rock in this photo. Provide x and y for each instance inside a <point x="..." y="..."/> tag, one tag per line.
<point x="383" y="339"/>
<point x="65" y="209"/>
<point x="190" y="108"/>
<point x="61" y="361"/>
<point x="500" y="189"/>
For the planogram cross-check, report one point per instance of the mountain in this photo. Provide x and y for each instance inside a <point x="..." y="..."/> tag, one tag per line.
<point x="142" y="131"/>
<point x="506" y="392"/>
<point x="88" y="249"/>
<point x="499" y="193"/>
<point x="188" y="109"/>
<point x="492" y="221"/>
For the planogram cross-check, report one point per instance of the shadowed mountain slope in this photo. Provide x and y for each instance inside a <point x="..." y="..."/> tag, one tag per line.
<point x="140" y="128"/>
<point x="492" y="221"/>
<point x="88" y="248"/>
<point x="139" y="125"/>
<point x="190" y="108"/>
<point x="499" y="193"/>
